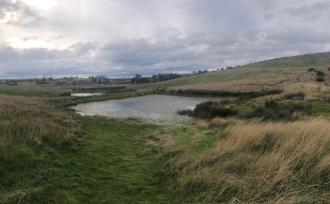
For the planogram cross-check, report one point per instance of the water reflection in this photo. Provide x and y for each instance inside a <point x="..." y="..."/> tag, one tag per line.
<point x="152" y="108"/>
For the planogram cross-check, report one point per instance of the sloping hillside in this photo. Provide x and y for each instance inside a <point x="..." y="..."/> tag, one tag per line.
<point x="290" y="74"/>
<point x="300" y="61"/>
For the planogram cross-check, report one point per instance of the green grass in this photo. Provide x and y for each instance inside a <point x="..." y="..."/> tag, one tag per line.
<point x="300" y="61"/>
<point x="22" y="90"/>
<point x="48" y="155"/>
<point x="320" y="108"/>
<point x="221" y="76"/>
<point x="113" y="164"/>
<point x="244" y="110"/>
<point x="110" y="163"/>
<point x="195" y="140"/>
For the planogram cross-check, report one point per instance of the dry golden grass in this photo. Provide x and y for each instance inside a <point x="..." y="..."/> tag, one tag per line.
<point x="259" y="163"/>
<point x="312" y="90"/>
<point x="256" y="82"/>
<point x="199" y="123"/>
<point x="219" y="122"/>
<point x="290" y="81"/>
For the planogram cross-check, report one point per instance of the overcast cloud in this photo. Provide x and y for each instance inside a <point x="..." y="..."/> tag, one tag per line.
<point x="121" y="38"/>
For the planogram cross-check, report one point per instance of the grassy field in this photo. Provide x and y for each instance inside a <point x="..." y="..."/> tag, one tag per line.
<point x="49" y="155"/>
<point x="319" y="60"/>
<point x="112" y="164"/>
<point x="291" y="75"/>
<point x="33" y="90"/>
<point x="271" y="148"/>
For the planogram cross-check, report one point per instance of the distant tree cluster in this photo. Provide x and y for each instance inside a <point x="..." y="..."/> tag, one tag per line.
<point x="228" y="68"/>
<point x="138" y="79"/>
<point x="41" y="81"/>
<point x="44" y="80"/>
<point x="99" y="79"/>
<point x="11" y="83"/>
<point x="200" y="72"/>
<point x="164" y="77"/>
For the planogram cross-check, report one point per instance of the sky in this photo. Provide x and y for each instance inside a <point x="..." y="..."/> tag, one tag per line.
<point x="120" y="38"/>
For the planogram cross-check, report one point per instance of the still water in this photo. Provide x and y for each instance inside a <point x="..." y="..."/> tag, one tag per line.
<point x="151" y="108"/>
<point x="85" y="94"/>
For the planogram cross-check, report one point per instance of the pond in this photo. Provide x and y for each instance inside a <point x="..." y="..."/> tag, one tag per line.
<point x="151" y="108"/>
<point x="85" y="94"/>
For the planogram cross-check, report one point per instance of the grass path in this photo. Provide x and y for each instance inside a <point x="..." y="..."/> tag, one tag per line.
<point x="113" y="165"/>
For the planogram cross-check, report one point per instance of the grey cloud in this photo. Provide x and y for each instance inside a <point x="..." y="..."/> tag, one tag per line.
<point x="309" y="12"/>
<point x="120" y="38"/>
<point x="155" y="56"/>
<point x="30" y="38"/>
<point x="43" y="62"/>
<point x="19" y="13"/>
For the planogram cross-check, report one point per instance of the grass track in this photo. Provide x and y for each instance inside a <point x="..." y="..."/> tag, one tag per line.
<point x="113" y="165"/>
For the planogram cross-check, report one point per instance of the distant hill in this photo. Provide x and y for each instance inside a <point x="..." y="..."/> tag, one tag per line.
<point x="307" y="60"/>
<point x="101" y="77"/>
<point x="287" y="73"/>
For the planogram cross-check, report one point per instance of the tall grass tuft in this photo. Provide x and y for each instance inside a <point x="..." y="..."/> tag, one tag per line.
<point x="31" y="131"/>
<point x="269" y="162"/>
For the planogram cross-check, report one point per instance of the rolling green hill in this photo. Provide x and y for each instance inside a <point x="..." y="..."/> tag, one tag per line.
<point x="300" y="61"/>
<point x="281" y="73"/>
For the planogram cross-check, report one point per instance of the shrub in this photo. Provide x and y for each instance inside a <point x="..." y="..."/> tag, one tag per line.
<point x="311" y="69"/>
<point x="319" y="73"/>
<point x="65" y="94"/>
<point x="272" y="110"/>
<point x="241" y="95"/>
<point x="212" y="109"/>
<point x="295" y="96"/>
<point x="320" y="79"/>
<point x="185" y="112"/>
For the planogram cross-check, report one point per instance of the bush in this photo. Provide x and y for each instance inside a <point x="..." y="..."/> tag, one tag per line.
<point x="320" y="73"/>
<point x="320" y="79"/>
<point x="65" y="94"/>
<point x="272" y="110"/>
<point x="295" y="96"/>
<point x="212" y="109"/>
<point x="186" y="112"/>
<point x="311" y="69"/>
<point x="213" y="93"/>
